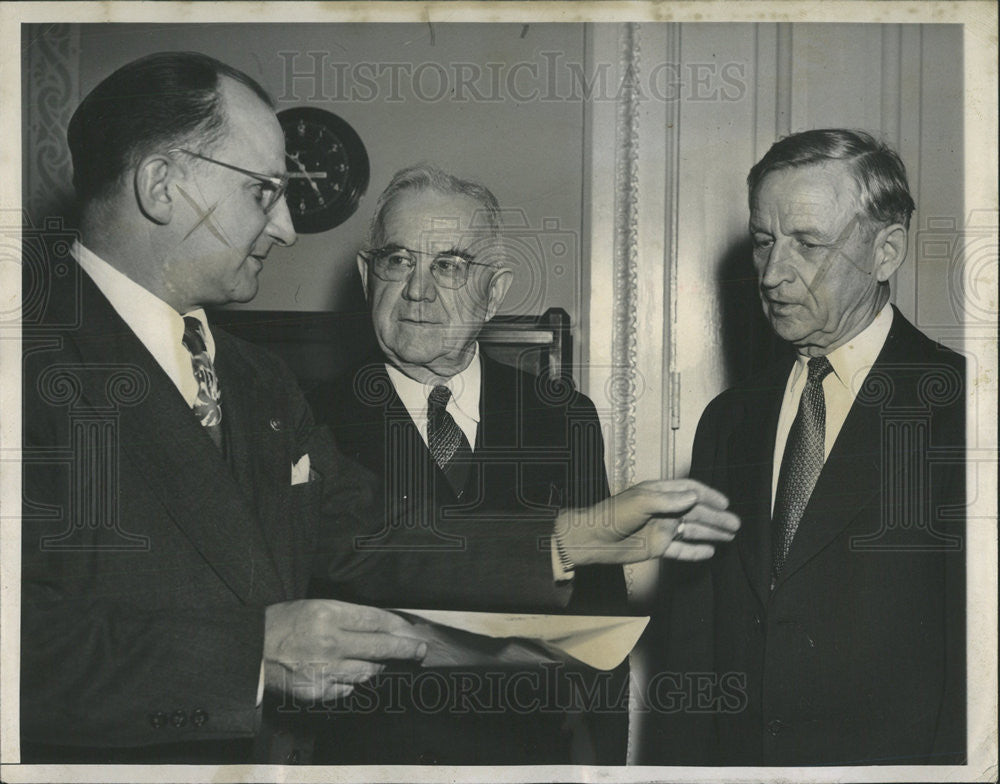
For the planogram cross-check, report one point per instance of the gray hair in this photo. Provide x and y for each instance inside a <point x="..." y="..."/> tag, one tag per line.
<point x="422" y="177"/>
<point x="877" y="169"/>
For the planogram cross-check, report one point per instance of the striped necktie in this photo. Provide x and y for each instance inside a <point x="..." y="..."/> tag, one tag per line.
<point x="445" y="438"/>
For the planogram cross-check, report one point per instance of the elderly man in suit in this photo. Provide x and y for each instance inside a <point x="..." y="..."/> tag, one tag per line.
<point x="840" y="606"/>
<point x="177" y="495"/>
<point x="453" y="432"/>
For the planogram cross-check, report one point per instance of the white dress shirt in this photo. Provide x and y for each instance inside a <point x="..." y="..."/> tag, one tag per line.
<point x="463" y="405"/>
<point x="851" y="363"/>
<point x="158" y="326"/>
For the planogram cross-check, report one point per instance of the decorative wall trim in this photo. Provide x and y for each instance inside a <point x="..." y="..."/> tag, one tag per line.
<point x="783" y="81"/>
<point x="52" y="65"/>
<point x="671" y="218"/>
<point x="891" y="83"/>
<point x="622" y="392"/>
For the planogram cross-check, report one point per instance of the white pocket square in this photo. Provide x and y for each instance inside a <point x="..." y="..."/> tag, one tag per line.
<point x="300" y="470"/>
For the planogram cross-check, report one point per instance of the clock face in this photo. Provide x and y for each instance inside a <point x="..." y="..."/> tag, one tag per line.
<point x="328" y="168"/>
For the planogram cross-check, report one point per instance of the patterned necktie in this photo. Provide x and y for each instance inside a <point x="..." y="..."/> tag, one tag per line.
<point x="801" y="463"/>
<point x="445" y="438"/>
<point x="207" y="406"/>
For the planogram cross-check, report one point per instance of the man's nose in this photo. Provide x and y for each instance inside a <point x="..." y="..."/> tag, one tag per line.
<point x="420" y="286"/>
<point x="279" y="224"/>
<point x="778" y="266"/>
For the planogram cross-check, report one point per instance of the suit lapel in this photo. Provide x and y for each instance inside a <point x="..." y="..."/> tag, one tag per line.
<point x="261" y="471"/>
<point x="751" y="451"/>
<point x="499" y="406"/>
<point x="853" y="476"/>
<point x="849" y="483"/>
<point x="163" y="441"/>
<point x="399" y="452"/>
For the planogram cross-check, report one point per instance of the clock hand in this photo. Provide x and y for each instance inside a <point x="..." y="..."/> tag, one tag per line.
<point x="303" y="174"/>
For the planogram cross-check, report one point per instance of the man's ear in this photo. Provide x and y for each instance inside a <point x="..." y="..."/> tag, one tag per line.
<point x="889" y="248"/>
<point x="501" y="281"/>
<point x="152" y="181"/>
<point x="363" y="272"/>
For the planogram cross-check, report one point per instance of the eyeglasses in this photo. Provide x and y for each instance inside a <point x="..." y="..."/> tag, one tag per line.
<point x="272" y="188"/>
<point x="395" y="264"/>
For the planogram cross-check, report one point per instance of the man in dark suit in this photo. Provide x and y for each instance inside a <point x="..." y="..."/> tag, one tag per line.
<point x="839" y="609"/>
<point x="174" y="481"/>
<point x="515" y="444"/>
<point x="163" y="556"/>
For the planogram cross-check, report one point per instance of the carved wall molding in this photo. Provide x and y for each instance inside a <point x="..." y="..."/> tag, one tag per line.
<point x="671" y="222"/>
<point x="622" y="391"/>
<point x="52" y="71"/>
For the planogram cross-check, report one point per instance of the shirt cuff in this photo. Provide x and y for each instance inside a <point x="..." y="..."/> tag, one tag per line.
<point x="563" y="569"/>
<point x="260" y="685"/>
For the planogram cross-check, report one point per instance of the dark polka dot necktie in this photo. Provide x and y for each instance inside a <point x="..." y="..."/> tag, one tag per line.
<point x="801" y="463"/>
<point x="207" y="406"/>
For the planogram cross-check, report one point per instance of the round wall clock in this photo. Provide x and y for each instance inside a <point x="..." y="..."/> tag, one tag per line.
<point x="328" y="168"/>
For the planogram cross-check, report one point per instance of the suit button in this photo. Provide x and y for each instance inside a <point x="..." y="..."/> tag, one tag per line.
<point x="158" y="719"/>
<point x="292" y="757"/>
<point x="775" y="726"/>
<point x="199" y="717"/>
<point x="756" y="619"/>
<point x="179" y="718"/>
<point x="275" y="424"/>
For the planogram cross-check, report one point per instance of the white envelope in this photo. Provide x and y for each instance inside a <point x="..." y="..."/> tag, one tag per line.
<point x="601" y="642"/>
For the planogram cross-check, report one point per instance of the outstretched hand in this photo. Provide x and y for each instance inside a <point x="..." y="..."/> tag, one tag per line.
<point x="319" y="649"/>
<point x="667" y="518"/>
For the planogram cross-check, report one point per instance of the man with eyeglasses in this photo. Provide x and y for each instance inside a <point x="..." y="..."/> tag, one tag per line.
<point x="455" y="435"/>
<point x="164" y="569"/>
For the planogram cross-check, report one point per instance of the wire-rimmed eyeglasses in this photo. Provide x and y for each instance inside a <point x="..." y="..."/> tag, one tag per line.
<point x="394" y="264"/>
<point x="272" y="187"/>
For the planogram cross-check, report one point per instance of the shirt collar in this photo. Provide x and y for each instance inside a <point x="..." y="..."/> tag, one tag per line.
<point x="852" y="361"/>
<point x="156" y="324"/>
<point x="146" y="314"/>
<point x="465" y="387"/>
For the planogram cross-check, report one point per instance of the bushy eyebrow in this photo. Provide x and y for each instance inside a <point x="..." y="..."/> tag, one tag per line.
<point x="455" y="251"/>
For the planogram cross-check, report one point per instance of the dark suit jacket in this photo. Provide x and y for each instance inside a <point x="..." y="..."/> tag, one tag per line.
<point x="858" y="654"/>
<point x="539" y="447"/>
<point x="148" y="557"/>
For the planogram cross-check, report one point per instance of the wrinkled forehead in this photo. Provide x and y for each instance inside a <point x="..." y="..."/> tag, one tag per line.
<point x="807" y="192"/>
<point x="435" y="220"/>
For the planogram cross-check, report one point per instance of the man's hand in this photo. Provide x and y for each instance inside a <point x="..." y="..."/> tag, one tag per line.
<point x="319" y="649"/>
<point x="673" y="518"/>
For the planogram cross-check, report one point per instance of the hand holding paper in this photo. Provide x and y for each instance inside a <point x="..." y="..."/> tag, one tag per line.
<point x="318" y="649"/>
<point x="670" y="518"/>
